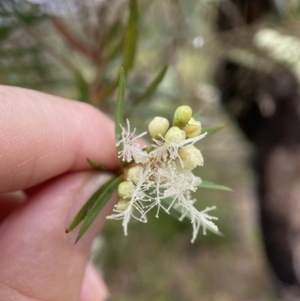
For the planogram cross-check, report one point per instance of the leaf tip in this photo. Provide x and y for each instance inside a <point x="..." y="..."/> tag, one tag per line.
<point x="77" y="239"/>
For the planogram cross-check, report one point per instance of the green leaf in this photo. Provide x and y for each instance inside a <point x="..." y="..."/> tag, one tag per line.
<point x="85" y="209"/>
<point x="113" y="41"/>
<point x="152" y="87"/>
<point x="210" y="185"/>
<point x="112" y="33"/>
<point x="131" y="36"/>
<point x="198" y="114"/>
<point x="213" y="129"/>
<point x="114" y="52"/>
<point x="96" y="165"/>
<point x="83" y="88"/>
<point x="120" y="110"/>
<point x="99" y="204"/>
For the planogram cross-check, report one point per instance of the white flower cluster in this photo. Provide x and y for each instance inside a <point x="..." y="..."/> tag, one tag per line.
<point x="161" y="175"/>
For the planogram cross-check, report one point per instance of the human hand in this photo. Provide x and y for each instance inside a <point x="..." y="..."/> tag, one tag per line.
<point x="44" y="180"/>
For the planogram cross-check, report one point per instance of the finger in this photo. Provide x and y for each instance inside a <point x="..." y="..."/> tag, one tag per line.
<point x="42" y="136"/>
<point x="35" y="247"/>
<point x="93" y="287"/>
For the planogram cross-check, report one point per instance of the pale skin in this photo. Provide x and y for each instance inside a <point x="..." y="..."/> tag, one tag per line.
<point x="44" y="180"/>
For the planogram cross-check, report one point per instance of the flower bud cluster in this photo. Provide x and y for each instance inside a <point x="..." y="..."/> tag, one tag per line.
<point x="163" y="171"/>
<point x="126" y="188"/>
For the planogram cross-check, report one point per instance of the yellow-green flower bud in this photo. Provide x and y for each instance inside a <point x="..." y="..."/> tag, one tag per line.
<point x="182" y="116"/>
<point x="122" y="205"/>
<point x="190" y="157"/>
<point x="193" y="128"/>
<point x="125" y="190"/>
<point x="175" y="135"/>
<point x="158" y="127"/>
<point x="134" y="173"/>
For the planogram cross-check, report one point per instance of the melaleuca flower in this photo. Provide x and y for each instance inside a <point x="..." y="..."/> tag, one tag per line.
<point x="161" y="175"/>
<point x="131" y="149"/>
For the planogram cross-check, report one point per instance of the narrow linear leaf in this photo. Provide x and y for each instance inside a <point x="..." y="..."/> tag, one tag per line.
<point x="113" y="41"/>
<point x="131" y="36"/>
<point x="83" y="88"/>
<point x="210" y="185"/>
<point x="152" y="87"/>
<point x="98" y="205"/>
<point x="213" y="129"/>
<point x="82" y="213"/>
<point x="114" y="52"/>
<point x="112" y="33"/>
<point x="96" y="165"/>
<point x="198" y="114"/>
<point x="120" y="110"/>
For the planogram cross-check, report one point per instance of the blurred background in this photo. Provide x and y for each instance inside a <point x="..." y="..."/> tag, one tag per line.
<point x="238" y="61"/>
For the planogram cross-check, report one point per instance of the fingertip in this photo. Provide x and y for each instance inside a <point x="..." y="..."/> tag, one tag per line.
<point x="93" y="287"/>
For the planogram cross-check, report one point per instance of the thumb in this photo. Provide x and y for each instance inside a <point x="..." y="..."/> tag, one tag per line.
<point x="38" y="260"/>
